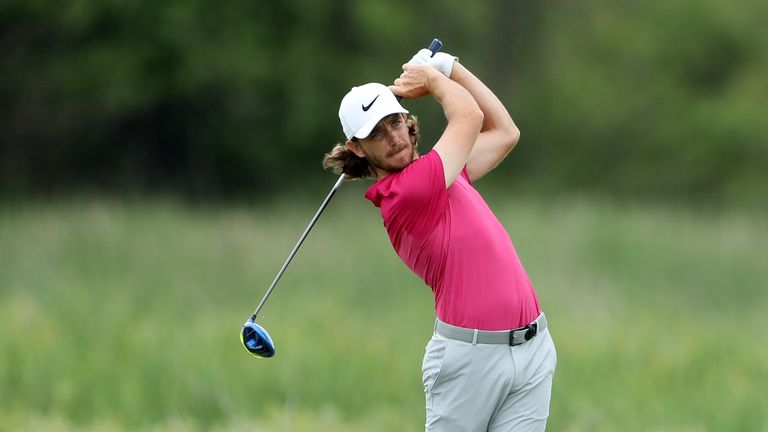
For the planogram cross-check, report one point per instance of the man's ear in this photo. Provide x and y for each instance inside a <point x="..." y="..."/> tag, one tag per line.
<point x="354" y="146"/>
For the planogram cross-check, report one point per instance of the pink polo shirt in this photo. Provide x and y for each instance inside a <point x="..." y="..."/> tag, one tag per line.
<point x="453" y="241"/>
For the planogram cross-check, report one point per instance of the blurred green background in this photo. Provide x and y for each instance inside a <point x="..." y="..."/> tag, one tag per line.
<point x="158" y="161"/>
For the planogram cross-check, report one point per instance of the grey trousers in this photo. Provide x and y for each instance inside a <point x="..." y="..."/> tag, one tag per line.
<point x="487" y="387"/>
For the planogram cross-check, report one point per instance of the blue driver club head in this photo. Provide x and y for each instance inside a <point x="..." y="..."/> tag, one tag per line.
<point x="256" y="340"/>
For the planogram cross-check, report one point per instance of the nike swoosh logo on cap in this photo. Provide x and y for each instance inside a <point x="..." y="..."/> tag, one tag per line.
<point x="367" y="107"/>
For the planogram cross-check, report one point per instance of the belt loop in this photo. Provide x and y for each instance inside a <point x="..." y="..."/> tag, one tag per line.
<point x="434" y="327"/>
<point x="474" y="338"/>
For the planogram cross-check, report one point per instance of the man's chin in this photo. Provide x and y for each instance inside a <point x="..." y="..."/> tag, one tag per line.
<point x="406" y="158"/>
<point x="402" y="164"/>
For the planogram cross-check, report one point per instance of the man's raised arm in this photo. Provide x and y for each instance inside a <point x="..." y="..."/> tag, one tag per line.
<point x="463" y="114"/>
<point x="499" y="134"/>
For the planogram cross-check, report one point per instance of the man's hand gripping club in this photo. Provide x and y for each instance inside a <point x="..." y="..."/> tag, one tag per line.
<point x="441" y="61"/>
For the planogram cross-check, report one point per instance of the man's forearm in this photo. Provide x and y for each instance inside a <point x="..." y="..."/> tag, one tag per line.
<point x="465" y="119"/>
<point x="496" y="115"/>
<point x="457" y="102"/>
<point x="499" y="134"/>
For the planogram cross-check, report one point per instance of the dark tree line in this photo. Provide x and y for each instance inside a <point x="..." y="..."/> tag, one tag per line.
<point x="207" y="98"/>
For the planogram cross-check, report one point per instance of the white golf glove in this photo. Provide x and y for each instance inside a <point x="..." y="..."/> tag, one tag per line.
<point x="441" y="61"/>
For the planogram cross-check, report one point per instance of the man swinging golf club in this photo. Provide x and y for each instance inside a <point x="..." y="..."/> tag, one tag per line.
<point x="490" y="362"/>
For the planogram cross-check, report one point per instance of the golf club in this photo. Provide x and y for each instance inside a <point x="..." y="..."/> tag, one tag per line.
<point x="255" y="339"/>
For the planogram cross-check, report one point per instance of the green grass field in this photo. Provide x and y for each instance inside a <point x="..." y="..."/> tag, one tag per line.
<point x="126" y="316"/>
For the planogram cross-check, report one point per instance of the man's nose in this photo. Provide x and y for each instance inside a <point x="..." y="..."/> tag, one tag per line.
<point x="391" y="136"/>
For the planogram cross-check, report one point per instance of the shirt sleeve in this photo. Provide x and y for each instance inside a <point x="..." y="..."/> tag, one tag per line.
<point x="418" y="197"/>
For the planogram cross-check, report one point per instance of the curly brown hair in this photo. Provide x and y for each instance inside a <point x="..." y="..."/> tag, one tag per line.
<point x="342" y="160"/>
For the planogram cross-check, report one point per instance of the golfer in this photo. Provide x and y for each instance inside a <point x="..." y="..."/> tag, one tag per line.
<point x="490" y="361"/>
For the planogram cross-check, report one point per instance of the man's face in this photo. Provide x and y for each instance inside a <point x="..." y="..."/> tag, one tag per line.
<point x="388" y="147"/>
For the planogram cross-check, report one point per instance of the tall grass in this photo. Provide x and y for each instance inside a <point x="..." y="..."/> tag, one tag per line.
<point x="125" y="316"/>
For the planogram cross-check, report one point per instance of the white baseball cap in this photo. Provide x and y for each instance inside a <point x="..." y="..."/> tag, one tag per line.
<point x="364" y="106"/>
